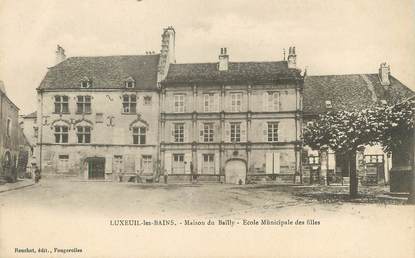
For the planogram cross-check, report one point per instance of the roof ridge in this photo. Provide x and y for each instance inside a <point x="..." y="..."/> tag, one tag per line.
<point x="241" y="62"/>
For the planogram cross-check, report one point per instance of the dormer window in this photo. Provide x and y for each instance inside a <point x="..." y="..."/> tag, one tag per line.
<point x="129" y="83"/>
<point x="86" y="83"/>
<point x="328" y="104"/>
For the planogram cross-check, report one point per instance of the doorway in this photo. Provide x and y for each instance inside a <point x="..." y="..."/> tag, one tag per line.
<point x="235" y="172"/>
<point x="96" y="168"/>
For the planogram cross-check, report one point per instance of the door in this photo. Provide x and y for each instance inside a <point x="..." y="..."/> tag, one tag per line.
<point x="208" y="164"/>
<point x="235" y="172"/>
<point x="96" y="168"/>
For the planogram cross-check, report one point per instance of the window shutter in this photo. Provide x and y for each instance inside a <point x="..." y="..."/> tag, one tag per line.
<point x="244" y="104"/>
<point x="187" y="159"/>
<point x="216" y="102"/>
<point x="171" y="136"/>
<point x="138" y="164"/>
<point x="217" y="165"/>
<point x="108" y="164"/>
<point x="200" y="132"/>
<point x="276" y="162"/>
<point x="199" y="162"/>
<point x="186" y="103"/>
<point x="265" y="131"/>
<point x="167" y="162"/>
<point x="129" y="163"/>
<point x="185" y="133"/>
<point x="268" y="163"/>
<point x="201" y="102"/>
<point x="265" y="101"/>
<point x="279" y="107"/>
<point x="216" y="133"/>
<point x="227" y="132"/>
<point x="243" y="131"/>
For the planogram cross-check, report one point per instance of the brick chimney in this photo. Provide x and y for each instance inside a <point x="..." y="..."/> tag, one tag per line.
<point x="167" y="52"/>
<point x="60" y="54"/>
<point x="223" y="59"/>
<point x="292" y="58"/>
<point x="384" y="73"/>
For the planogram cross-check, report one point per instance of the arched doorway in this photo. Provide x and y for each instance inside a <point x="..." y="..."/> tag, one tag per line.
<point x="235" y="171"/>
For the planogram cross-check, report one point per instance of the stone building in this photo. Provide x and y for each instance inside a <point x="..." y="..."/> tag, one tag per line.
<point x="323" y="93"/>
<point x="9" y="137"/>
<point x="232" y="121"/>
<point x="98" y="116"/>
<point x="28" y="123"/>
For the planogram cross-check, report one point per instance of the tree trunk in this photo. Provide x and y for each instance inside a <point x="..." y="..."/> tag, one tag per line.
<point x="353" y="187"/>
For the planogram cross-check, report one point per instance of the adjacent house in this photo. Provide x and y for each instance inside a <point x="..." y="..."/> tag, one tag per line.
<point x="323" y="93"/>
<point x="232" y="121"/>
<point x="9" y="137"/>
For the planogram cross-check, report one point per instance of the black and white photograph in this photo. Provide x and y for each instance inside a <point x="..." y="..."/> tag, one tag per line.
<point x="155" y="128"/>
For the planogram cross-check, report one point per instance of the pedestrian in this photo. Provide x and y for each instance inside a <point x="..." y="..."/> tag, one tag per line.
<point x="165" y="175"/>
<point x="192" y="172"/>
<point x="37" y="174"/>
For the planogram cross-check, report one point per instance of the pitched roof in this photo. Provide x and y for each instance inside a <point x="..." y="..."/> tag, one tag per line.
<point x="237" y="71"/>
<point x="31" y="115"/>
<point x="2" y="88"/>
<point x="349" y="92"/>
<point x="105" y="72"/>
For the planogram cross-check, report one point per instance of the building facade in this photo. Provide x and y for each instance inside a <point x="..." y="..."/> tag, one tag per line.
<point x="232" y="121"/>
<point x="325" y="93"/>
<point x="9" y="137"/>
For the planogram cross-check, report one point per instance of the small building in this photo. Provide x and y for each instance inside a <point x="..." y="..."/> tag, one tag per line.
<point x="323" y="93"/>
<point x="9" y="137"/>
<point x="29" y="126"/>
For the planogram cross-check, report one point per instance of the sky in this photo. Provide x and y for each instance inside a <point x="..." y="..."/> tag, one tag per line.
<point x="331" y="36"/>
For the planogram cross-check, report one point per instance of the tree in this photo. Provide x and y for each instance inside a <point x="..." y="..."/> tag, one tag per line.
<point x="344" y="131"/>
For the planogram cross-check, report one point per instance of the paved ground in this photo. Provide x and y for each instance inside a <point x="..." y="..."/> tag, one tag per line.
<point x="62" y="211"/>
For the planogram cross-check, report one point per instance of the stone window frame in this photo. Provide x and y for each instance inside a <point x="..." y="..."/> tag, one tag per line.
<point x="208" y="132"/>
<point x="179" y="103"/>
<point x="274" y="100"/>
<point x="129" y="104"/>
<point x="139" y="135"/>
<point x="272" y="131"/>
<point x="83" y="134"/>
<point x="236" y="101"/>
<point x="61" y="135"/>
<point x="178" y="132"/>
<point x="83" y="102"/>
<point x="235" y="132"/>
<point x="61" y="103"/>
<point x="208" y="102"/>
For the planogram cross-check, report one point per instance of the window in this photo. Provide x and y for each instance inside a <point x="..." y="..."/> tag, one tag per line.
<point x="147" y="163"/>
<point x="147" y="100"/>
<point x="178" y="132"/>
<point x="35" y="131"/>
<point x="61" y="104"/>
<point x="129" y="104"/>
<point x="139" y="135"/>
<point x="83" y="104"/>
<point x="179" y="103"/>
<point x="236" y="102"/>
<point x="208" y="164"/>
<point x="178" y="163"/>
<point x="84" y="134"/>
<point x="208" y="132"/>
<point x="61" y="134"/>
<point x="129" y="84"/>
<point x="9" y="127"/>
<point x="328" y="104"/>
<point x="208" y="102"/>
<point x="235" y="132"/>
<point x="118" y="164"/>
<point x="273" y="132"/>
<point x="86" y="84"/>
<point x="63" y="165"/>
<point x="273" y="101"/>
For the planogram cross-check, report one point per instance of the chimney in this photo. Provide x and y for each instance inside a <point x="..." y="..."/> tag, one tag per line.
<point x="292" y="58"/>
<point x="167" y="52"/>
<point x="223" y="59"/>
<point x="60" y="54"/>
<point x="384" y="73"/>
